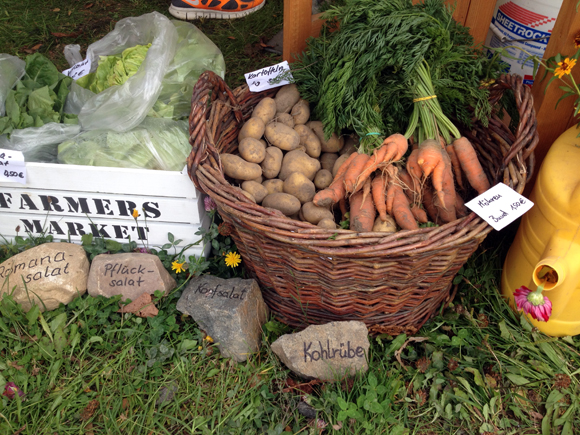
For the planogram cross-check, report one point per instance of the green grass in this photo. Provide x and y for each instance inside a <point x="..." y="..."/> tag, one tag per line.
<point x="29" y="26"/>
<point x="480" y="369"/>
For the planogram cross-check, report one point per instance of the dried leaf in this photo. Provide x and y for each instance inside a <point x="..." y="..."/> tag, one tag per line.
<point x="90" y="5"/>
<point x="56" y="10"/>
<point x="69" y="12"/>
<point x="231" y="37"/>
<point x="125" y="403"/>
<point x="13" y="364"/>
<point x="89" y="410"/>
<point x="142" y="307"/>
<point x="400" y="351"/>
<point x="65" y="35"/>
<point x="337" y="426"/>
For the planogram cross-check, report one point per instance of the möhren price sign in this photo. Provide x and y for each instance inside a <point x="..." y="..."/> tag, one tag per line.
<point x="12" y="166"/>
<point x="500" y="206"/>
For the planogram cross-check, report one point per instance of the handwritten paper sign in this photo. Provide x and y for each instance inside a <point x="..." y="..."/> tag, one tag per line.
<point x="263" y="79"/>
<point x="12" y="167"/>
<point x="79" y="69"/>
<point x="500" y="206"/>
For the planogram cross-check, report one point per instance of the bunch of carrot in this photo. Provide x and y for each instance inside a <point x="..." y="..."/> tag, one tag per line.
<point x="381" y="183"/>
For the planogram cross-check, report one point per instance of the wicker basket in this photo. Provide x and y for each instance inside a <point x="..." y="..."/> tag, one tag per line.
<point x="309" y="275"/>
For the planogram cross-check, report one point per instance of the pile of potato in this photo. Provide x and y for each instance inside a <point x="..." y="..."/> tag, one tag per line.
<point x="284" y="158"/>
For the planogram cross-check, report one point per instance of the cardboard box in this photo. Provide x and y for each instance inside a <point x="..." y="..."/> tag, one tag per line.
<point x="67" y="201"/>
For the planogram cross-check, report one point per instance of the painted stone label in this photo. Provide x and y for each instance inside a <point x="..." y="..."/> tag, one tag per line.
<point x="128" y="274"/>
<point x="231" y="311"/>
<point x="326" y="352"/>
<point x="46" y="275"/>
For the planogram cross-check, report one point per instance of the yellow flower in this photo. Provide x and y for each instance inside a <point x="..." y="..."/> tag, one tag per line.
<point x="178" y="267"/>
<point x="565" y="67"/>
<point x="233" y="259"/>
<point x="208" y="338"/>
<point x="135" y="213"/>
<point x="199" y="348"/>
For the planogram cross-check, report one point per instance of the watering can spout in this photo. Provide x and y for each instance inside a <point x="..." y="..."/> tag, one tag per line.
<point x="559" y="268"/>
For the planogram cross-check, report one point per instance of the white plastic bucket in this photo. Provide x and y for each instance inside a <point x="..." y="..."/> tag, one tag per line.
<point x="523" y="19"/>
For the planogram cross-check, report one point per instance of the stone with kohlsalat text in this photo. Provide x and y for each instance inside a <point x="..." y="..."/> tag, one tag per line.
<point x="45" y="275"/>
<point x="230" y="311"/>
<point x="129" y="275"/>
<point x="326" y="352"/>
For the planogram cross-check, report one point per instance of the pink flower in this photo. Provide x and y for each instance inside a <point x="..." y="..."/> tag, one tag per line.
<point x="533" y="303"/>
<point x="10" y="389"/>
<point x="143" y="250"/>
<point x="209" y="203"/>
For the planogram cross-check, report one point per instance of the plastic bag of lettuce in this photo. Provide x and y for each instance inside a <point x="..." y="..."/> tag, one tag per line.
<point x="155" y="144"/>
<point x="147" y="66"/>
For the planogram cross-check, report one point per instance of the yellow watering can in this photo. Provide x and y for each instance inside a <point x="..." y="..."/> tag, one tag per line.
<point x="546" y="249"/>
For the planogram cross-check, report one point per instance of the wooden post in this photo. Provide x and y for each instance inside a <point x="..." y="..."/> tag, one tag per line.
<point x="553" y="122"/>
<point x="478" y="19"/>
<point x="297" y="27"/>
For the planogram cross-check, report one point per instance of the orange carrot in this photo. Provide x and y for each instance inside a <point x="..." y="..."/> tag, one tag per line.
<point x="413" y="167"/>
<point x="448" y="194"/>
<point x="343" y="207"/>
<point x="362" y="213"/>
<point x="460" y="208"/>
<point x="396" y="145"/>
<point x="335" y="192"/>
<point x="428" y="197"/>
<point x="470" y="165"/>
<point x="402" y="212"/>
<point x="429" y="156"/>
<point x="370" y="166"/>
<point x="419" y="214"/>
<point x="354" y="170"/>
<point x="408" y="185"/>
<point x="455" y="164"/>
<point x="392" y="187"/>
<point x="379" y="197"/>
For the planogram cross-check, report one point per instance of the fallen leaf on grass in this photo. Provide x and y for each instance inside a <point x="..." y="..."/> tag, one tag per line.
<point x="69" y="12"/>
<point x="305" y="387"/>
<point x="56" y="10"/>
<point x="337" y="426"/>
<point x="535" y="415"/>
<point x="89" y="429"/>
<point x="142" y="307"/>
<point x="89" y="410"/>
<point x="31" y="50"/>
<point x="90" y="5"/>
<point x="13" y="364"/>
<point x="231" y="37"/>
<point x="400" y="351"/>
<point x="65" y="35"/>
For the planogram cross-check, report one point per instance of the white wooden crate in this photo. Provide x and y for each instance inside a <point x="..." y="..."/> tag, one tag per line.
<point x="70" y="200"/>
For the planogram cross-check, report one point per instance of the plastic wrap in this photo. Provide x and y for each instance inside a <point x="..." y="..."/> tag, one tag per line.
<point x="154" y="144"/>
<point x="121" y="108"/>
<point x="11" y="70"/>
<point x="39" y="144"/>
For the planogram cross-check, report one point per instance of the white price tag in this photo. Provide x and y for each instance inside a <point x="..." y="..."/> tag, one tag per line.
<point x="12" y="167"/>
<point x="79" y="69"/>
<point x="262" y="79"/>
<point x="500" y="206"/>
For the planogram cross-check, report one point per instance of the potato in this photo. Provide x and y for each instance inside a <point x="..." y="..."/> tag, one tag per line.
<point x="298" y="161"/>
<point x="309" y="140"/>
<point x="238" y="168"/>
<point x="272" y="162"/>
<point x="258" y="179"/>
<point x="300" y="112"/>
<point x="249" y="195"/>
<point x="323" y="179"/>
<point x="263" y="142"/>
<point x="257" y="191"/>
<point x="329" y="224"/>
<point x="265" y="110"/>
<point x="282" y="136"/>
<point x="274" y="186"/>
<point x="389" y="226"/>
<point x="327" y="160"/>
<point x="286" y="97"/>
<point x="284" y="118"/>
<point x="315" y="214"/>
<point x="350" y="145"/>
<point x="252" y="150"/>
<point x="333" y="145"/>
<point x="254" y="127"/>
<point x="299" y="186"/>
<point x="284" y="202"/>
<point x="338" y="163"/>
